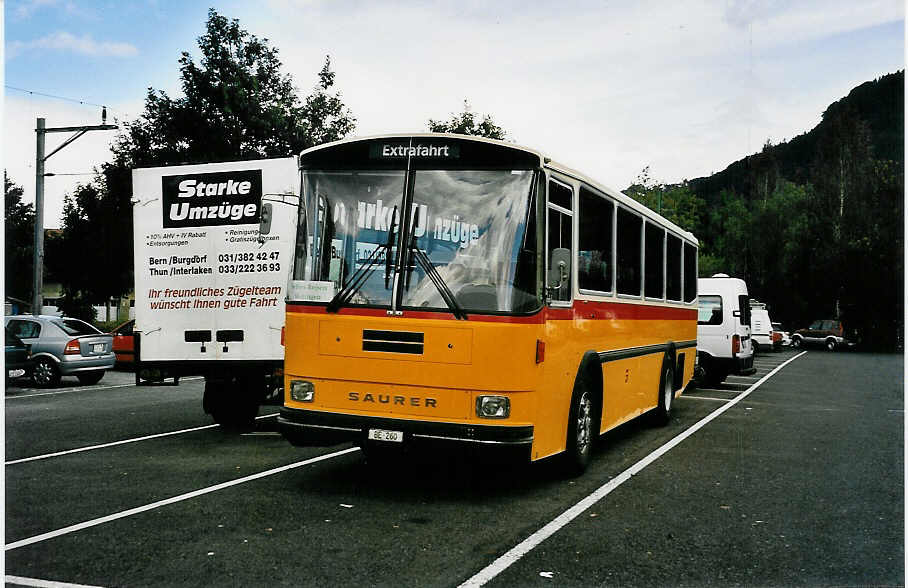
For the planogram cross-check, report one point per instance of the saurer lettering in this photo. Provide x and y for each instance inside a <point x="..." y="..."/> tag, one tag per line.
<point x="392" y="399"/>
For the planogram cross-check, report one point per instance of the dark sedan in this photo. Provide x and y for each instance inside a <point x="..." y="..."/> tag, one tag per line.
<point x="16" y="356"/>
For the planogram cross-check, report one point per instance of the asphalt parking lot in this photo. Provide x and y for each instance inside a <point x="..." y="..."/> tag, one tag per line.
<point x="793" y="476"/>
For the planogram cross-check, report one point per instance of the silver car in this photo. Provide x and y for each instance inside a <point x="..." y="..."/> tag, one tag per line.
<point x="63" y="346"/>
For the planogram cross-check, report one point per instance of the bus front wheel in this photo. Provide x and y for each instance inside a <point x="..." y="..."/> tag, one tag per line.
<point x="580" y="433"/>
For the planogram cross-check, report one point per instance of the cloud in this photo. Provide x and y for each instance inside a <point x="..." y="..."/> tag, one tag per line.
<point x="26" y="9"/>
<point x="63" y="41"/>
<point x="740" y="13"/>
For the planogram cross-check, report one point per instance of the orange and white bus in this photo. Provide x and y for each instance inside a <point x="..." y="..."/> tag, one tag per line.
<point x="461" y="290"/>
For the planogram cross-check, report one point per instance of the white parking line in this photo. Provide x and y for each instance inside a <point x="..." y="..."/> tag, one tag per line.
<point x="86" y="389"/>
<point x="172" y="500"/>
<point x="528" y="544"/>
<point x="20" y="581"/>
<point x="706" y="398"/>
<point x="124" y="441"/>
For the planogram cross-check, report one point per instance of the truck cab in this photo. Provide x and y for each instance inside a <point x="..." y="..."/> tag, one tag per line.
<point x="724" y="344"/>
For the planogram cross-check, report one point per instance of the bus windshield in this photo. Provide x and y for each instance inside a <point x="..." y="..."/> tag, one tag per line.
<point x="469" y="232"/>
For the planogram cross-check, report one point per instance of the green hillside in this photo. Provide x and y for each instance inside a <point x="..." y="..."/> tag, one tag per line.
<point x="879" y="104"/>
<point x="815" y="224"/>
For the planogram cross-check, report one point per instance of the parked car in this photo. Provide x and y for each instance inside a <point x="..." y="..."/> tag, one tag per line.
<point x="16" y="355"/>
<point x="62" y="346"/>
<point x="786" y="338"/>
<point x="828" y="332"/>
<point x="124" y="343"/>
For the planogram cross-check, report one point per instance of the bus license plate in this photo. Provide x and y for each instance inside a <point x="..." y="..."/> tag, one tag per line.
<point x="383" y="435"/>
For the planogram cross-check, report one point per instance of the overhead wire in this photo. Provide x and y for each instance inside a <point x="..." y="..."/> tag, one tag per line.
<point x="54" y="96"/>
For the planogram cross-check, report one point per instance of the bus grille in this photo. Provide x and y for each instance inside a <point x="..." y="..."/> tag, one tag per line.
<point x="393" y="341"/>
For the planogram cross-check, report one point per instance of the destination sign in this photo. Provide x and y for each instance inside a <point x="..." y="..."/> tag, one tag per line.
<point x="419" y="150"/>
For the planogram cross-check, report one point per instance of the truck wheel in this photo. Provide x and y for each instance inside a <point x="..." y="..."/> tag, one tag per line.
<point x="89" y="378"/>
<point x="662" y="415"/>
<point x="580" y="432"/>
<point x="230" y="404"/>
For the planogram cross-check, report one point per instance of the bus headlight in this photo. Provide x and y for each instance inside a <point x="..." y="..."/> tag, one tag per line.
<point x="493" y="407"/>
<point x="302" y="391"/>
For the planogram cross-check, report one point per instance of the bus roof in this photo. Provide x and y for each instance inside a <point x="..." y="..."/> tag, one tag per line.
<point x="544" y="161"/>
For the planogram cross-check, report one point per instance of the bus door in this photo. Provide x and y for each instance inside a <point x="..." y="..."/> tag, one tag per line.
<point x="554" y="404"/>
<point x="559" y="240"/>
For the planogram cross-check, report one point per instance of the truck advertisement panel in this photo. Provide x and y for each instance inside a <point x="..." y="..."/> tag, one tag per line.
<point x="207" y="286"/>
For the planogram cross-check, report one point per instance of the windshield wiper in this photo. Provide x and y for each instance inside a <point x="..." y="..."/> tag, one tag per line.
<point x="423" y="260"/>
<point x="359" y="276"/>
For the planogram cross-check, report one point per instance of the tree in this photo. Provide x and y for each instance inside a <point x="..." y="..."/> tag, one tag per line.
<point x="676" y="202"/>
<point x="88" y="256"/>
<point x="465" y="124"/>
<point x="236" y="104"/>
<point x="19" y="228"/>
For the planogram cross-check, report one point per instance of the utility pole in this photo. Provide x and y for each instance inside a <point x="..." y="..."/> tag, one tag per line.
<point x="40" y="158"/>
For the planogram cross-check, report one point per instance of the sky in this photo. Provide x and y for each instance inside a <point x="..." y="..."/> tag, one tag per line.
<point x="685" y="87"/>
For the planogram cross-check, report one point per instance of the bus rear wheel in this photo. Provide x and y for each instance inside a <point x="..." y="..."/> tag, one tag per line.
<point x="663" y="412"/>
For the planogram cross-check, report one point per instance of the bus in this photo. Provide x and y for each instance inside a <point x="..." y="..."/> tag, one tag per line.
<point x="463" y="291"/>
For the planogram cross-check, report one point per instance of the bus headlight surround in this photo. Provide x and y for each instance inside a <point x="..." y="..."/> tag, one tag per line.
<point x="302" y="391"/>
<point x="493" y="407"/>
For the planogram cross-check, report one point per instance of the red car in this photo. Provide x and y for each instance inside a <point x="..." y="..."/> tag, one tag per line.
<point x="124" y="343"/>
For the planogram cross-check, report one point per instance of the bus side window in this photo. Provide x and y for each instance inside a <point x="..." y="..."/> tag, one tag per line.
<point x="594" y="260"/>
<point x="630" y="231"/>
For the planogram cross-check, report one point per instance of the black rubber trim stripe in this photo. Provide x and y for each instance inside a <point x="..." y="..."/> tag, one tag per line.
<point x="393" y="341"/>
<point x="607" y="356"/>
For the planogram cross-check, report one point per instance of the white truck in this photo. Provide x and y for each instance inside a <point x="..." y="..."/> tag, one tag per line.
<point x="762" y="332"/>
<point x="209" y="288"/>
<point x="724" y="345"/>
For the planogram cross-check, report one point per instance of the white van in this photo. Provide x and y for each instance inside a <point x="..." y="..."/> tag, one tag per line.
<point x="724" y="345"/>
<point x="762" y="332"/>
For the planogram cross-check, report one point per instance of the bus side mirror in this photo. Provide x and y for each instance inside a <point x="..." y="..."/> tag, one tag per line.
<point x="265" y="218"/>
<point x="560" y="267"/>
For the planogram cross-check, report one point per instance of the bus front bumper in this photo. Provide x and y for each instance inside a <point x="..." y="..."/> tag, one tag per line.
<point x="316" y="428"/>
